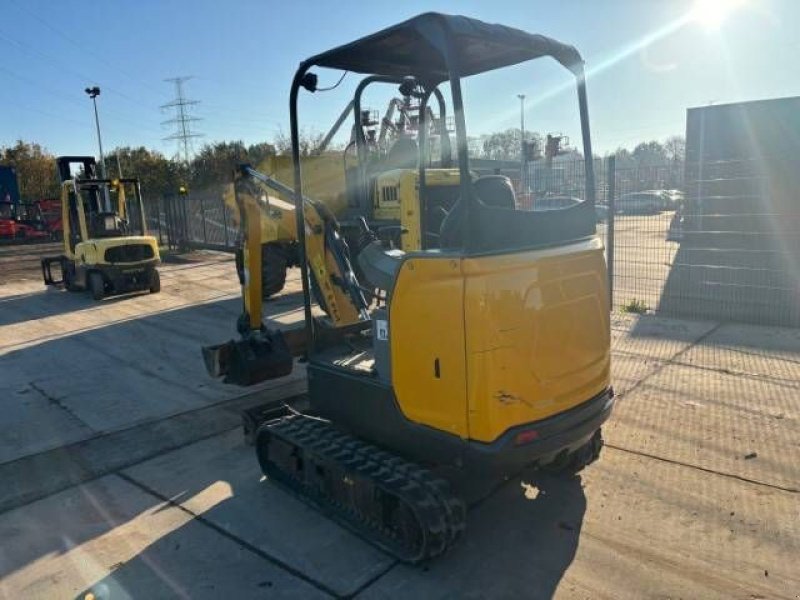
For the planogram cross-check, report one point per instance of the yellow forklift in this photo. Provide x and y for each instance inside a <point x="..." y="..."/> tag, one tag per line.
<point x="106" y="246"/>
<point x="484" y="349"/>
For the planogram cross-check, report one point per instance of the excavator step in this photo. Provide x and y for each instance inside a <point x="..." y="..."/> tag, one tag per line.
<point x="394" y="504"/>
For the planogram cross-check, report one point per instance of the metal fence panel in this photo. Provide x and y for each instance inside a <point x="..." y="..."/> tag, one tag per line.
<point x="739" y="254"/>
<point x="723" y="244"/>
<point x="644" y="248"/>
<point x="201" y="219"/>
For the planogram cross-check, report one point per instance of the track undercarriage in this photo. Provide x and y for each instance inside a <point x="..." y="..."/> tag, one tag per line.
<point x="396" y="505"/>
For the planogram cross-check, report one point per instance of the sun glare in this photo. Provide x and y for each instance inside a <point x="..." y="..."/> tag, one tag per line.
<point x="711" y="14"/>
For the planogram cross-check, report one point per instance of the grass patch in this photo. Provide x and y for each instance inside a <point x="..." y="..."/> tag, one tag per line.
<point x="635" y="306"/>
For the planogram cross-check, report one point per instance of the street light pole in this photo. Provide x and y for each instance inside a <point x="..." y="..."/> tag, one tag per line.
<point x="522" y="142"/>
<point x="93" y="93"/>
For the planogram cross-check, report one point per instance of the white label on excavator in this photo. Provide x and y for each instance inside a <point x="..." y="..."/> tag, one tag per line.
<point x="382" y="329"/>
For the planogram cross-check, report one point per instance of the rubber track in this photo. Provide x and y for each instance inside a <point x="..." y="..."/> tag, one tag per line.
<point x="439" y="515"/>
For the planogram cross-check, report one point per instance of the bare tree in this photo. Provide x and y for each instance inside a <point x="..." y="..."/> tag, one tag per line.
<point x="675" y="148"/>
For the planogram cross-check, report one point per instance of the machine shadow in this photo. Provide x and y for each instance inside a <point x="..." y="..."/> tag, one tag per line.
<point x="150" y="366"/>
<point x="519" y="543"/>
<point x="53" y="302"/>
<point x="515" y="546"/>
<point x="42" y="304"/>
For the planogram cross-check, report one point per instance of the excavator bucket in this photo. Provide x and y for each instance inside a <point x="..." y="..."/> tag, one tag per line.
<point x="250" y="360"/>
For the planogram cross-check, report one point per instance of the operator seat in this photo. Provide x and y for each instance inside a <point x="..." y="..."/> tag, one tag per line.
<point x="493" y="191"/>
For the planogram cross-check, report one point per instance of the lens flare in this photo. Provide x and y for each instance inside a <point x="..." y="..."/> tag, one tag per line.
<point x="711" y="14"/>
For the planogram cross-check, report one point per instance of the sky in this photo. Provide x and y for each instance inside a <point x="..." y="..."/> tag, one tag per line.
<point x="648" y="61"/>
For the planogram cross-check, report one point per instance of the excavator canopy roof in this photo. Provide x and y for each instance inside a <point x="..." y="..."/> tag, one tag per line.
<point x="419" y="47"/>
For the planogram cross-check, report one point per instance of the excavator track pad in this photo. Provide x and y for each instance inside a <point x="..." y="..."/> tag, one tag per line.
<point x="396" y="505"/>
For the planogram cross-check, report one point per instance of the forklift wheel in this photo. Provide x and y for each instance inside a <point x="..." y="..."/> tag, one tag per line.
<point x="68" y="274"/>
<point x="155" y="282"/>
<point x="96" y="285"/>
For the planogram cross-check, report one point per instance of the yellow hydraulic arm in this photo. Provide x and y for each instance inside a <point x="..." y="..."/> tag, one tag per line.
<point x="263" y="353"/>
<point x="339" y="294"/>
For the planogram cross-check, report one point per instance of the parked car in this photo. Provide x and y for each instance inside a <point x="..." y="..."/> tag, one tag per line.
<point x="672" y="199"/>
<point x="640" y="203"/>
<point x="559" y="202"/>
<point x="555" y="202"/>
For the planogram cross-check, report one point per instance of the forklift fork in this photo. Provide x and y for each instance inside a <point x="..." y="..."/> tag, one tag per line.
<point x="47" y="269"/>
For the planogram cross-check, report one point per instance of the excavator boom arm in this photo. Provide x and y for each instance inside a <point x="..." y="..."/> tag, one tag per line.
<point x="261" y="353"/>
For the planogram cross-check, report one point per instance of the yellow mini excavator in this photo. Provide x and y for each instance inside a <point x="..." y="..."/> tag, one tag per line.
<point x="484" y="348"/>
<point x="106" y="246"/>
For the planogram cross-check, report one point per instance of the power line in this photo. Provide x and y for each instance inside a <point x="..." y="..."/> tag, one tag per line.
<point x="63" y="67"/>
<point x="183" y="133"/>
<point x="63" y="96"/>
<point x="84" y="48"/>
<point x="69" y="97"/>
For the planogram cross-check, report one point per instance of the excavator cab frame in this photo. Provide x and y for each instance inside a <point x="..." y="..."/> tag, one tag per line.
<point x="360" y="201"/>
<point x="450" y="48"/>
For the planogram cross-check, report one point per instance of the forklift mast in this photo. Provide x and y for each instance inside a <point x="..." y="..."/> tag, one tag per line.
<point x="64" y="164"/>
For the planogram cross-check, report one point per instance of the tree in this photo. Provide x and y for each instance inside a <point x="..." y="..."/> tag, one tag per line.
<point x="648" y="154"/>
<point x="157" y="174"/>
<point x="215" y="163"/>
<point x="504" y="145"/>
<point x="36" y="169"/>
<point x="624" y="158"/>
<point x="309" y="141"/>
<point x="258" y="152"/>
<point x="675" y="148"/>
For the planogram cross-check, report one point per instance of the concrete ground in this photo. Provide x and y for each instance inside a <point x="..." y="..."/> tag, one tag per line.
<point x="84" y="375"/>
<point x="695" y="495"/>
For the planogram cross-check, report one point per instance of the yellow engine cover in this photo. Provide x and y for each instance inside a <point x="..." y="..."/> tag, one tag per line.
<point x="537" y="335"/>
<point x="483" y="344"/>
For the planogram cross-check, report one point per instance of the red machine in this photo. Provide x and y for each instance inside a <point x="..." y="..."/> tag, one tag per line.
<point x="22" y="221"/>
<point x="50" y="209"/>
<point x="8" y="220"/>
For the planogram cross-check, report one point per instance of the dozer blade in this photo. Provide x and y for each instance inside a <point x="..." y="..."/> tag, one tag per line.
<point x="251" y="360"/>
